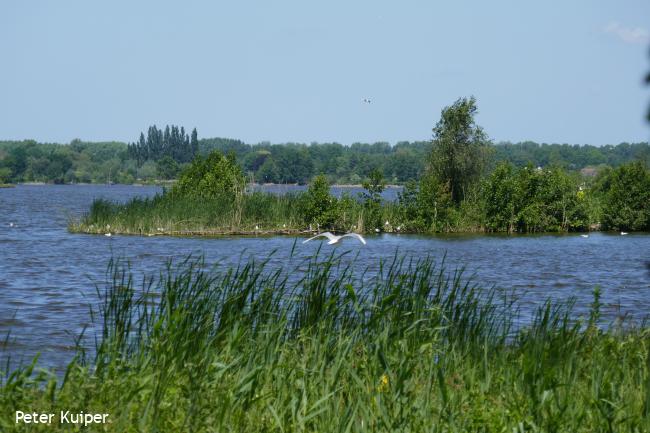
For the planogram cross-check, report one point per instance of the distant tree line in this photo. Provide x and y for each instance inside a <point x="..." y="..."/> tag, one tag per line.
<point x="162" y="153"/>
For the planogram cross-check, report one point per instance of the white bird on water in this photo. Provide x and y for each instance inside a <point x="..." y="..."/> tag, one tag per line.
<point x="585" y="236"/>
<point x="623" y="233"/>
<point x="334" y="239"/>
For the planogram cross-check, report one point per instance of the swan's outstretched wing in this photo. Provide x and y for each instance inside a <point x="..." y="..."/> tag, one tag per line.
<point x="328" y="235"/>
<point x="356" y="236"/>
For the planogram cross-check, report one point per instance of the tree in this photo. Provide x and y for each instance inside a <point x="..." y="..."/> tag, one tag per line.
<point x="213" y="176"/>
<point x="5" y="175"/>
<point x="460" y="148"/>
<point x="167" y="167"/>
<point x="268" y="172"/>
<point x="627" y="201"/>
<point x="501" y="194"/>
<point x="194" y="143"/>
<point x="320" y="207"/>
<point x="172" y="142"/>
<point x="374" y="186"/>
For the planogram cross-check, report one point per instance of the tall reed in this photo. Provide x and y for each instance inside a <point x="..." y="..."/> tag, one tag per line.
<point x="322" y="345"/>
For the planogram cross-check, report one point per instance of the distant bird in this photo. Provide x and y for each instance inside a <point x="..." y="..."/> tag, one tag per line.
<point x="623" y="233"/>
<point x="366" y="100"/>
<point x="12" y="225"/>
<point x="376" y="230"/>
<point x="108" y="234"/>
<point x="334" y="239"/>
<point x="585" y="236"/>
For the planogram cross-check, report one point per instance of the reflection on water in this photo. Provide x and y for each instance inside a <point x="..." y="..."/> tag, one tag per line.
<point x="48" y="276"/>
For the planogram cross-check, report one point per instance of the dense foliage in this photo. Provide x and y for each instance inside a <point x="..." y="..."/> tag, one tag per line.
<point x="324" y="346"/>
<point x="532" y="200"/>
<point x="173" y="143"/>
<point x="460" y="149"/>
<point x="626" y="204"/>
<point x="456" y="193"/>
<point x="213" y="176"/>
<point x="85" y="162"/>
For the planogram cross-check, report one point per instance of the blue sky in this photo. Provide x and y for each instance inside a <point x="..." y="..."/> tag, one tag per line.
<point x="553" y="71"/>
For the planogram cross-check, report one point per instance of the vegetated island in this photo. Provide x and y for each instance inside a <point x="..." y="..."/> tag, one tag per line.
<point x="459" y="191"/>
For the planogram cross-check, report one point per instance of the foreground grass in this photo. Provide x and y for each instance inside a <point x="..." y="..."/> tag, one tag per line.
<point x="327" y="349"/>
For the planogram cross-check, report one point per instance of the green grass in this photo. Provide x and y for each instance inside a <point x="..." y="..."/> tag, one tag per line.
<point x="165" y="214"/>
<point x="251" y="213"/>
<point x="320" y="347"/>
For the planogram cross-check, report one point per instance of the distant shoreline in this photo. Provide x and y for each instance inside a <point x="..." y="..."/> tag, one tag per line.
<point x="168" y="182"/>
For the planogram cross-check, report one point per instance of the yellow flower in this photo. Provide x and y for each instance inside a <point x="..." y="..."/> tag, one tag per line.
<point x="383" y="383"/>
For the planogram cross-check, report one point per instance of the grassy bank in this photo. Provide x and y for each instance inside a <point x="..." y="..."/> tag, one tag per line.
<point x="251" y="213"/>
<point x="327" y="349"/>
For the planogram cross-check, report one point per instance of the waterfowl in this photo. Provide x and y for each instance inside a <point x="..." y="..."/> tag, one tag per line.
<point x="334" y="239"/>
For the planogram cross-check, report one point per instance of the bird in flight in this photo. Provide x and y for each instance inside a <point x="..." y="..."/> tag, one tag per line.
<point x="366" y="100"/>
<point x="334" y="239"/>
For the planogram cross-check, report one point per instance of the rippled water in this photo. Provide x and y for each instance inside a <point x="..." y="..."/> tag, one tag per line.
<point x="48" y="276"/>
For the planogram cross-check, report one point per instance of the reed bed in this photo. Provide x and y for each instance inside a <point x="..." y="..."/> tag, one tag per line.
<point x="324" y="347"/>
<point x="253" y="213"/>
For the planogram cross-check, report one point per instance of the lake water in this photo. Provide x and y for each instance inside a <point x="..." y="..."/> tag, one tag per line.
<point x="48" y="276"/>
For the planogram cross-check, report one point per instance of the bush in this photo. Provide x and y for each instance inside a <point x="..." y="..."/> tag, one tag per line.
<point x="210" y="177"/>
<point x="627" y="198"/>
<point x="319" y="206"/>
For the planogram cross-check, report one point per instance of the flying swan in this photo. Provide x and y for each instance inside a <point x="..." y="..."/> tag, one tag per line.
<point x="334" y="239"/>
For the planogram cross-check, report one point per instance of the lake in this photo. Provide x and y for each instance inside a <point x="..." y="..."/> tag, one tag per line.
<point x="48" y="276"/>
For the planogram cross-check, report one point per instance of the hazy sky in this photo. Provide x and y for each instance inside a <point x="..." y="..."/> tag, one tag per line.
<point x="555" y="71"/>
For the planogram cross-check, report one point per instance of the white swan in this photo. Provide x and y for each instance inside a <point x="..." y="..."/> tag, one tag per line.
<point x="623" y="233"/>
<point x="336" y="239"/>
<point x="585" y="236"/>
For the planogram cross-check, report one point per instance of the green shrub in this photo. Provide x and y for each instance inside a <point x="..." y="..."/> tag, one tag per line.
<point x="627" y="198"/>
<point x="210" y="177"/>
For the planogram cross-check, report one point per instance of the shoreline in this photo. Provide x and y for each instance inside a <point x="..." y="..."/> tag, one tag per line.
<point x="168" y="182"/>
<point x="297" y="232"/>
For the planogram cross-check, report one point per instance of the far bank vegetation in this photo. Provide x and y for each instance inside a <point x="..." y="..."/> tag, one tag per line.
<point x="460" y="190"/>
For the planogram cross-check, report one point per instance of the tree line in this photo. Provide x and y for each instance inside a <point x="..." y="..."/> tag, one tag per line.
<point x="162" y="153"/>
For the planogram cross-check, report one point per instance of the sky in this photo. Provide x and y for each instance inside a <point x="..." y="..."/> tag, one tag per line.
<point x="299" y="71"/>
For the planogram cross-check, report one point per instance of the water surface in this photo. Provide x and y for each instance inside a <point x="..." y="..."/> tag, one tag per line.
<point x="48" y="276"/>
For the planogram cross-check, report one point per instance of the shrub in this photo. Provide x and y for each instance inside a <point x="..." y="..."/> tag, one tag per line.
<point x="213" y="176"/>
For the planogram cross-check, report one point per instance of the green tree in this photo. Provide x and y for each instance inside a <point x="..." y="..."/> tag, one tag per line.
<point x="213" y="176"/>
<point x="627" y="200"/>
<point x="501" y="195"/>
<point x="167" y="167"/>
<point x="460" y="148"/>
<point x="268" y="171"/>
<point x="320" y="207"/>
<point x="374" y="186"/>
<point x="5" y="175"/>
<point x="434" y="202"/>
